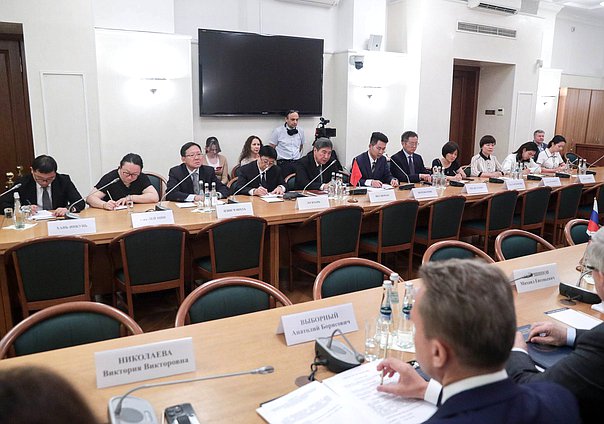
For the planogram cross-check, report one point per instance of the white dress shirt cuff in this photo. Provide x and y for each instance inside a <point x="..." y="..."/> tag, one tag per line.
<point x="433" y="391"/>
<point x="571" y="335"/>
<point x="368" y="183"/>
<point x="190" y="198"/>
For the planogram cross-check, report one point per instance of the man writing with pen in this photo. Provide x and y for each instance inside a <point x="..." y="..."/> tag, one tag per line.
<point x="260" y="177"/>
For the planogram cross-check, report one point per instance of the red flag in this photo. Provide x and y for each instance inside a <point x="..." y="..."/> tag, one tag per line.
<point x="355" y="175"/>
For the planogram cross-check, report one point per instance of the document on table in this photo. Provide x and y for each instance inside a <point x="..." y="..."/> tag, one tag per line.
<point x="350" y="396"/>
<point x="383" y="187"/>
<point x="272" y="198"/>
<point x="42" y="214"/>
<point x="574" y="318"/>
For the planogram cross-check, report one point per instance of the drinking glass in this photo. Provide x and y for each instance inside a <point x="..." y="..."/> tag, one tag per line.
<point x="372" y="346"/>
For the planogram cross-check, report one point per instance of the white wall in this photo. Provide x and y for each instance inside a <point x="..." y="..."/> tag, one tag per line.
<point x="135" y="15"/>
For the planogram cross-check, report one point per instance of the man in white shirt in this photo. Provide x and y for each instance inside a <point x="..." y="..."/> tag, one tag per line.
<point x="288" y="141"/>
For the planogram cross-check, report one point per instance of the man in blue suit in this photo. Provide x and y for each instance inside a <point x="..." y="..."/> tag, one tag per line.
<point x="410" y="165"/>
<point x="464" y="330"/>
<point x="374" y="168"/>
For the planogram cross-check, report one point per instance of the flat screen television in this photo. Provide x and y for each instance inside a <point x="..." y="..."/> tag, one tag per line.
<point x="244" y="73"/>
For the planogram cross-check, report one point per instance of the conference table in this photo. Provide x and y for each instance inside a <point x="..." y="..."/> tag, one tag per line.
<point x="110" y="224"/>
<point x="250" y="341"/>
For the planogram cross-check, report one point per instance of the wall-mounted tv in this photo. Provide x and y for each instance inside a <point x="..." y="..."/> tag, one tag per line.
<point x="251" y="74"/>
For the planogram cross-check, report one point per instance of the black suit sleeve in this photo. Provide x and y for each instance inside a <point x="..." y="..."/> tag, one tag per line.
<point x="70" y="194"/>
<point x="174" y="177"/>
<point x="304" y="176"/>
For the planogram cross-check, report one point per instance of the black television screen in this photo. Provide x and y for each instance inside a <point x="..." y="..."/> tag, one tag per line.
<point x="251" y="74"/>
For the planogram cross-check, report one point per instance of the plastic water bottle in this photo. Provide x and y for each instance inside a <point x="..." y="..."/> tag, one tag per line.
<point x="405" y="325"/>
<point x="213" y="196"/>
<point x="18" y="214"/>
<point x="339" y="187"/>
<point x="394" y="298"/>
<point x="207" y="200"/>
<point x="583" y="167"/>
<point x="331" y="188"/>
<point x="385" y="319"/>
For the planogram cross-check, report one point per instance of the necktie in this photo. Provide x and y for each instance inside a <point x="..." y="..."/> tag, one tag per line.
<point x="320" y="173"/>
<point x="372" y="167"/>
<point x="411" y="165"/>
<point x="195" y="177"/>
<point x="46" y="203"/>
<point x="263" y="179"/>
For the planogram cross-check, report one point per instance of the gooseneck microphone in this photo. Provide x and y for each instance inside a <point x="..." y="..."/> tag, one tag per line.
<point x="596" y="161"/>
<point x="71" y="214"/>
<point x="232" y="197"/>
<point x="127" y="409"/>
<point x="16" y="186"/>
<point x="409" y="184"/>
<point x="529" y="275"/>
<point x="318" y="175"/>
<point x="158" y="206"/>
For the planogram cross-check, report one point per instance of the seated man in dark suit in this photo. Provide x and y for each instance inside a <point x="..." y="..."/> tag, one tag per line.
<point x="582" y="371"/>
<point x="260" y="177"/>
<point x="315" y="162"/>
<point x="374" y="168"/>
<point x="464" y="329"/>
<point x="188" y="188"/>
<point x="46" y="189"/>
<point x="410" y="162"/>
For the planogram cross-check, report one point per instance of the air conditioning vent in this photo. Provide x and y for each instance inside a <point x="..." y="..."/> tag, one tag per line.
<point x="321" y="3"/>
<point x="486" y="29"/>
<point x="506" y="7"/>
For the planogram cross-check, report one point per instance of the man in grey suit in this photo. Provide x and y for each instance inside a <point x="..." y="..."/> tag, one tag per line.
<point x="582" y="371"/>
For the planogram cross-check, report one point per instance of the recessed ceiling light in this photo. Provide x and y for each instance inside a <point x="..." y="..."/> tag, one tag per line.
<point x="602" y="3"/>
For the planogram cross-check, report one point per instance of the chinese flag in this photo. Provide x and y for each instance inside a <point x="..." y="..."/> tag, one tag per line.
<point x="355" y="175"/>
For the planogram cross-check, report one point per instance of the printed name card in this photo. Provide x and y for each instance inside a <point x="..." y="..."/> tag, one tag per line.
<point x="144" y="362"/>
<point x="312" y="202"/>
<point x="306" y="326"/>
<point x="586" y="179"/>
<point x="231" y="210"/>
<point x="423" y="193"/>
<point x="72" y="227"/>
<point x="550" y="182"/>
<point x="381" y="196"/>
<point x="475" y="188"/>
<point x="515" y="184"/>
<point x="537" y="277"/>
<point x="145" y="219"/>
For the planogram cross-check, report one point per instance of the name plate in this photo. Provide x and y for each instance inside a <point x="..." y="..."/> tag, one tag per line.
<point x="145" y="219"/>
<point x="144" y="362"/>
<point x="550" y="182"/>
<point x="515" y="184"/>
<point x="475" y="188"/>
<point x="312" y="202"/>
<point x="309" y="325"/>
<point x="586" y="179"/>
<point x="537" y="277"/>
<point x="423" y="193"/>
<point x="381" y="196"/>
<point x="72" y="227"/>
<point x="231" y="210"/>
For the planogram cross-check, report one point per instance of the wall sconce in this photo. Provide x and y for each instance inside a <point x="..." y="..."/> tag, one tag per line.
<point x="153" y="84"/>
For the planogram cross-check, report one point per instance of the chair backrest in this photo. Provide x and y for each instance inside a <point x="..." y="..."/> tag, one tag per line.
<point x="152" y="254"/>
<point x="236" y="243"/>
<point x="453" y="249"/>
<point x="534" y="205"/>
<point x="445" y="217"/>
<point x="572" y="157"/>
<point x="515" y="243"/>
<point x="158" y="181"/>
<point x="501" y="209"/>
<point x="227" y="297"/>
<point x="232" y="181"/>
<point x="575" y="232"/>
<point x="65" y="325"/>
<point x="349" y="275"/>
<point x="568" y="198"/>
<point x="234" y="171"/>
<point x="397" y="222"/>
<point x="49" y="269"/>
<point x="338" y="230"/>
<point x="290" y="180"/>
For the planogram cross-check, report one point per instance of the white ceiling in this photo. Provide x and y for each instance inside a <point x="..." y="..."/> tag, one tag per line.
<point x="587" y="9"/>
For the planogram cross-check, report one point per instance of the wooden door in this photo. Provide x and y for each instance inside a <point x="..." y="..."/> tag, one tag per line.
<point x="16" y="142"/>
<point x="464" y="101"/>
<point x="595" y="121"/>
<point x="573" y="113"/>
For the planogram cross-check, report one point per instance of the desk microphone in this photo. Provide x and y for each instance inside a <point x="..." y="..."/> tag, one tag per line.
<point x="529" y="275"/>
<point x="232" y="199"/>
<point x="409" y="184"/>
<point x="126" y="409"/>
<point x="16" y="186"/>
<point x="71" y="214"/>
<point x="158" y="206"/>
<point x="336" y="356"/>
<point x="318" y="175"/>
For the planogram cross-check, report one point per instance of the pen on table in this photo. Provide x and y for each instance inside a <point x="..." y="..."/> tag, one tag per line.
<point x="385" y="357"/>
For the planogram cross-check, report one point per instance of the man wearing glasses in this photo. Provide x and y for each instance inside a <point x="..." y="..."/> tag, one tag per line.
<point x="46" y="189"/>
<point x="186" y="189"/>
<point x="409" y="161"/>
<point x="260" y="177"/>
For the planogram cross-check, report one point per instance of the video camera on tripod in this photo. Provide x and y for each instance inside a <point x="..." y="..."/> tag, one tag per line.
<point x="321" y="131"/>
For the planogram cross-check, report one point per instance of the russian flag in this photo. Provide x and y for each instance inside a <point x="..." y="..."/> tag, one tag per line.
<point x="593" y="225"/>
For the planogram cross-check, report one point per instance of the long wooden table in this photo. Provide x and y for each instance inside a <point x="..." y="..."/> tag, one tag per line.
<point x="250" y="341"/>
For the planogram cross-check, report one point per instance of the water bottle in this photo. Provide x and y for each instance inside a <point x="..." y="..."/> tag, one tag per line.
<point x="442" y="178"/>
<point x="385" y="319"/>
<point x="516" y="175"/>
<point x="405" y="325"/>
<point x="331" y="188"/>
<point x="583" y="167"/>
<point x="394" y="298"/>
<point x="207" y="200"/>
<point x="213" y="196"/>
<point x="18" y="214"/>
<point x="339" y="187"/>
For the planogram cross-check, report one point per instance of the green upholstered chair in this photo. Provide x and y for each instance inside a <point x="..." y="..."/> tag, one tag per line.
<point x="158" y="182"/>
<point x="51" y="270"/>
<point x="444" y="220"/>
<point x="587" y="201"/>
<point x="336" y="237"/>
<point x="566" y="203"/>
<point x="65" y="325"/>
<point x="152" y="259"/>
<point x="227" y="297"/>
<point x="396" y="230"/>
<point x="236" y="248"/>
<point x="349" y="275"/>
<point x="575" y="232"/>
<point x="573" y="158"/>
<point x="234" y="170"/>
<point x="454" y="249"/>
<point x="533" y="206"/>
<point x="500" y="211"/>
<point x="516" y="243"/>
<point x="290" y="181"/>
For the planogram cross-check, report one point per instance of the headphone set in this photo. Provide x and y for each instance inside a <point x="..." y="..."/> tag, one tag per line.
<point x="291" y="131"/>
